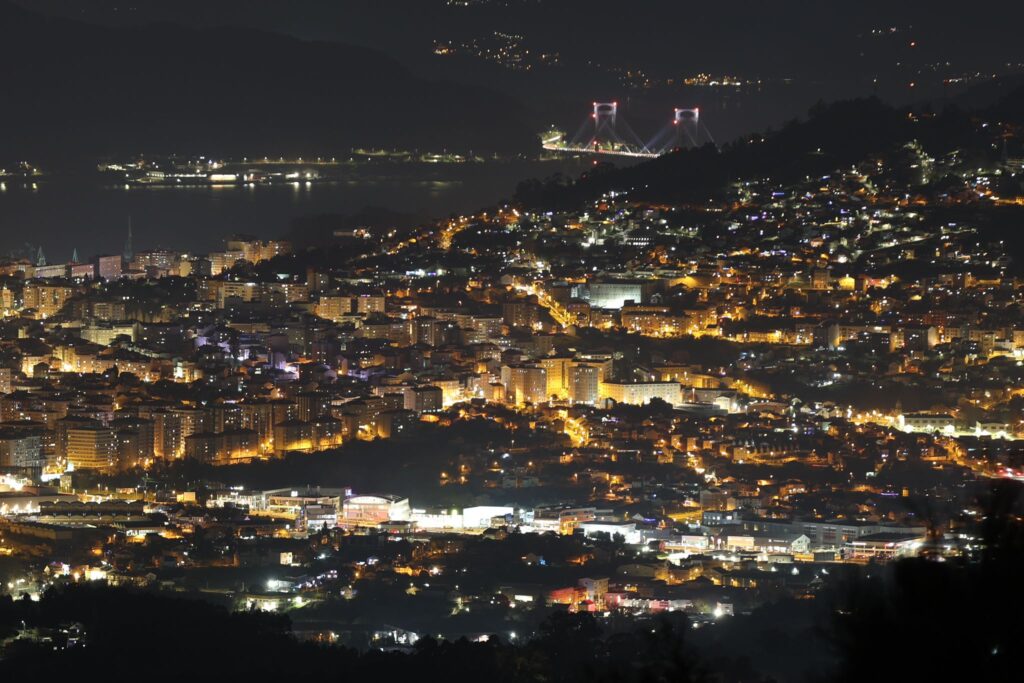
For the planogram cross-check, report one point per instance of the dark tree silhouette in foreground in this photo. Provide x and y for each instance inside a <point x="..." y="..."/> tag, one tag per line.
<point x="923" y="619"/>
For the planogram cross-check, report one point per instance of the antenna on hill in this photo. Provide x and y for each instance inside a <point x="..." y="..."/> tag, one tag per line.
<point x="128" y="252"/>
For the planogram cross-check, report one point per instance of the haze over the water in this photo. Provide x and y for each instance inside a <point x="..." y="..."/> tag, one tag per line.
<point x="92" y="216"/>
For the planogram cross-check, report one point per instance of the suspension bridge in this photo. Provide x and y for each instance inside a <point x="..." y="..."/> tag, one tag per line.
<point x="605" y="131"/>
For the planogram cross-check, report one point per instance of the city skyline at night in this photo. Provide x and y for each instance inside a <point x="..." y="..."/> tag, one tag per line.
<point x="524" y="340"/>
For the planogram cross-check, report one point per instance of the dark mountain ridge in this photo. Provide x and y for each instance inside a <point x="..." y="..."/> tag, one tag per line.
<point x="168" y="89"/>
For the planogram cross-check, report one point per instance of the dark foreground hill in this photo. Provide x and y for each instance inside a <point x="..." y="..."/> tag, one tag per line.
<point x="73" y="90"/>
